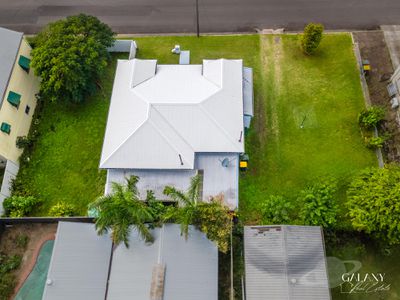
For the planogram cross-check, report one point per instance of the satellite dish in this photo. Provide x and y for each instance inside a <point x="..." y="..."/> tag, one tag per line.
<point x="225" y="162"/>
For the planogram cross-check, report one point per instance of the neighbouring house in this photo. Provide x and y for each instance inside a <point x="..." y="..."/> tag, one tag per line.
<point x="167" y="123"/>
<point x="285" y="262"/>
<point x="84" y="266"/>
<point x="18" y="87"/>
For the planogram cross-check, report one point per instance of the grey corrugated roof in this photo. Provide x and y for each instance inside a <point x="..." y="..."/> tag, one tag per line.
<point x="248" y="101"/>
<point x="217" y="180"/>
<point x="285" y="263"/>
<point x="191" y="266"/>
<point x="9" y="46"/>
<point x="79" y="263"/>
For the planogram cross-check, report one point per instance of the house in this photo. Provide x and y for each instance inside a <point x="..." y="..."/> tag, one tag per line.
<point x="285" y="262"/>
<point x="18" y="86"/>
<point x="167" y="123"/>
<point x="84" y="266"/>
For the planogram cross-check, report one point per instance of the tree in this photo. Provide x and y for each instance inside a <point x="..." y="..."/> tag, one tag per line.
<point x="374" y="202"/>
<point x="319" y="204"/>
<point x="311" y="38"/>
<point x="121" y="211"/>
<point x="277" y="210"/>
<point x="70" y="55"/>
<point x="212" y="218"/>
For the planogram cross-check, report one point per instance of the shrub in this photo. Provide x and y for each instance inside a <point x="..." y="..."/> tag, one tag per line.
<point x="22" y="241"/>
<point x="62" y="209"/>
<point x="157" y="208"/>
<point x="277" y="210"/>
<point x="7" y="279"/>
<point x="373" y="202"/>
<point x="371" y="117"/>
<point x="20" y="206"/>
<point x="377" y="142"/>
<point x="311" y="38"/>
<point x="319" y="204"/>
<point x="23" y="142"/>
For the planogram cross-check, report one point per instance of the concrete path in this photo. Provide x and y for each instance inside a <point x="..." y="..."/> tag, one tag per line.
<point x="392" y="37"/>
<point x="164" y="16"/>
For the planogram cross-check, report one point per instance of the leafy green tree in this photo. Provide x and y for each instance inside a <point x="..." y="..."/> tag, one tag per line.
<point x="374" y="202"/>
<point x="20" y="206"/>
<point x="319" y="205"/>
<point x="212" y="218"/>
<point x="371" y="117"/>
<point x="311" y="38"/>
<point x="70" y="55"/>
<point x="121" y="211"/>
<point x="277" y="210"/>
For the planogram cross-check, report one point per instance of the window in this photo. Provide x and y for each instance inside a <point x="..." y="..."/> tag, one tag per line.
<point x="27" y="109"/>
<point x="14" y="98"/>
<point x="5" y="127"/>
<point x="24" y="62"/>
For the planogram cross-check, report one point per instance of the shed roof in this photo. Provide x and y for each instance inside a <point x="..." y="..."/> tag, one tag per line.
<point x="9" y="47"/>
<point x="79" y="263"/>
<point x="285" y="263"/>
<point x="191" y="266"/>
<point x="160" y="115"/>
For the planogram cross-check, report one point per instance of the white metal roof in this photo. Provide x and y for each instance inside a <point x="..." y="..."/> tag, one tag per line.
<point x="191" y="266"/>
<point x="79" y="263"/>
<point x="9" y="47"/>
<point x="160" y="115"/>
<point x="285" y="263"/>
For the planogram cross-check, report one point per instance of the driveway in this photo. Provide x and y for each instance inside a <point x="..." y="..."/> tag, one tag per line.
<point x="157" y="16"/>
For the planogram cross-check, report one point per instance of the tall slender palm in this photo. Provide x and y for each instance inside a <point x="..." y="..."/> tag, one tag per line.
<point x="186" y="212"/>
<point x="121" y="211"/>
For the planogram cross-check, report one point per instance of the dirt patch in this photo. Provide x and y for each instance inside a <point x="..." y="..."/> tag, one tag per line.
<point x="373" y="48"/>
<point x="37" y="234"/>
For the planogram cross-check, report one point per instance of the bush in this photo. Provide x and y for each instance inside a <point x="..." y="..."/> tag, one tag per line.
<point x="20" y="206"/>
<point x="371" y="117"/>
<point x="22" y="241"/>
<point x="7" y="279"/>
<point x="277" y="210"/>
<point x="373" y="203"/>
<point x="319" y="204"/>
<point x="23" y="142"/>
<point x="377" y="142"/>
<point x="62" y="209"/>
<point x="157" y="208"/>
<point x="311" y="38"/>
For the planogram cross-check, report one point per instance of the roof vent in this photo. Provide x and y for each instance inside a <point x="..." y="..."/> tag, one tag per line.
<point x="157" y="282"/>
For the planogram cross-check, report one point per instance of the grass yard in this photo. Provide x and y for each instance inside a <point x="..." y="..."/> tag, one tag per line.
<point x="323" y="92"/>
<point x="64" y="163"/>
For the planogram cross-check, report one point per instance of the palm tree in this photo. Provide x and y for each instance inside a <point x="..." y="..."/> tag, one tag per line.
<point x="212" y="218"/>
<point x="121" y="211"/>
<point x="186" y="212"/>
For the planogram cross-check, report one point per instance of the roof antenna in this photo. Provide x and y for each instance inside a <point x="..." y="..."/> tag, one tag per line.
<point x="180" y="158"/>
<point x="241" y="134"/>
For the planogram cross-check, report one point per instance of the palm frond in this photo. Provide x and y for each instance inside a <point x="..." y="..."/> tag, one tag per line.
<point x="194" y="189"/>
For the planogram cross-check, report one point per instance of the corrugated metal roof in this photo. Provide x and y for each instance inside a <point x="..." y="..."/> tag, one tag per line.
<point x="9" y="47"/>
<point x="192" y="108"/>
<point x="191" y="266"/>
<point x="79" y="264"/>
<point x="248" y="101"/>
<point x="217" y="179"/>
<point x="285" y="263"/>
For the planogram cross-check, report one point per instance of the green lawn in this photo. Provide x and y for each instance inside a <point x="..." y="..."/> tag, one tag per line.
<point x="323" y="92"/>
<point x="64" y="164"/>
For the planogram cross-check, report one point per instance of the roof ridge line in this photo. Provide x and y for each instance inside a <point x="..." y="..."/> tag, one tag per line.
<point x="166" y="138"/>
